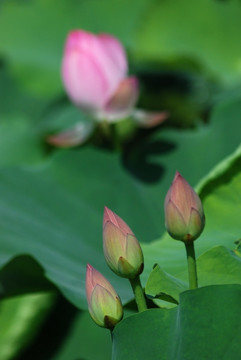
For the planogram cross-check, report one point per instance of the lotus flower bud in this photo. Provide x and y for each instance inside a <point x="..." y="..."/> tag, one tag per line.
<point x="122" y="250"/>
<point x="94" y="72"/>
<point x="184" y="216"/>
<point x="103" y="302"/>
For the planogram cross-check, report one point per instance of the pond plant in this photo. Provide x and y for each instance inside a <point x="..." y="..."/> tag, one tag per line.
<point x="120" y="180"/>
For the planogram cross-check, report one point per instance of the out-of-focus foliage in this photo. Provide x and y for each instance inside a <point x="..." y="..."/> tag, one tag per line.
<point x="205" y="34"/>
<point x="21" y="319"/>
<point x="188" y="59"/>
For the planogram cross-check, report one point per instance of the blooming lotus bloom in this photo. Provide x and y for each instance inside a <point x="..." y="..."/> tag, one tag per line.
<point x="122" y="250"/>
<point x="94" y="72"/>
<point x="184" y="216"/>
<point x="103" y="302"/>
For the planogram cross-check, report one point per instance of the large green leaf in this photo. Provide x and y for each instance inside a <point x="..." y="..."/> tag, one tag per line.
<point x="42" y="326"/>
<point x="15" y="99"/>
<point x="216" y="266"/>
<point x="162" y="285"/>
<point x="21" y="318"/>
<point x="193" y="153"/>
<point x="53" y="211"/>
<point x="79" y="343"/>
<point x="209" y="36"/>
<point x="69" y="334"/>
<point x="221" y="195"/>
<point x="23" y="275"/>
<point x="19" y="142"/>
<point x="204" y="326"/>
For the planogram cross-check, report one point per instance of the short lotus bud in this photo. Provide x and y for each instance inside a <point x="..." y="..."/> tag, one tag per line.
<point x="184" y="216"/>
<point x="103" y="302"/>
<point x="122" y="250"/>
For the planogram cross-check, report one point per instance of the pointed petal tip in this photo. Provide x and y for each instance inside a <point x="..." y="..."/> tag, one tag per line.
<point x="178" y="177"/>
<point x="107" y="215"/>
<point x="106" y="209"/>
<point x="89" y="267"/>
<point x="177" y="174"/>
<point x="149" y="119"/>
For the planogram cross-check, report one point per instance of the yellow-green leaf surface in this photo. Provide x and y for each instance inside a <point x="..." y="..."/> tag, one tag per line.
<point x="21" y="318"/>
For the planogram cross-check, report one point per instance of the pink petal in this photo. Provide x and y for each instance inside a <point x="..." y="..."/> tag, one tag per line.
<point x="196" y="223"/>
<point x="90" y="71"/>
<point x="84" y="81"/>
<point x="114" y="244"/>
<point x="183" y="196"/>
<point x="122" y="103"/>
<point x="89" y="286"/>
<point x="148" y="119"/>
<point x="116" y="220"/>
<point x="112" y="60"/>
<point x="78" y="40"/>
<point x="115" y="51"/>
<point x="73" y="137"/>
<point x="174" y="221"/>
<point x="93" y="278"/>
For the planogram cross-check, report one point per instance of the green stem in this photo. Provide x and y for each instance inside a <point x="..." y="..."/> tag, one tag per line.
<point x="192" y="268"/>
<point x="110" y="133"/>
<point x="115" y="137"/>
<point x="105" y="129"/>
<point x="139" y="294"/>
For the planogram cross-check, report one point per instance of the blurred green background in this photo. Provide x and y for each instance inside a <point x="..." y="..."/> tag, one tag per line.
<point x="187" y="56"/>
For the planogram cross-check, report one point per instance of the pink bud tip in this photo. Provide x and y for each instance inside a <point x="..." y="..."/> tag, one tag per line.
<point x="103" y="302"/>
<point x="122" y="250"/>
<point x="184" y="216"/>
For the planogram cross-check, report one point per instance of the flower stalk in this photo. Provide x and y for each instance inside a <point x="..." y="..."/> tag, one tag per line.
<point x="192" y="267"/>
<point x="185" y="220"/>
<point x="139" y="293"/>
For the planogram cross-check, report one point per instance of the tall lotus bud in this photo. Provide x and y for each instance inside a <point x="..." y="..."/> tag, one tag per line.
<point x="94" y="72"/>
<point x="184" y="216"/>
<point x="103" y="302"/>
<point x="122" y="250"/>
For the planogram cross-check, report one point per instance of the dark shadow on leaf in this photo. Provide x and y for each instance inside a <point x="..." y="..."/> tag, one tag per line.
<point x="22" y="275"/>
<point x="53" y="332"/>
<point x="166" y="81"/>
<point x="139" y="158"/>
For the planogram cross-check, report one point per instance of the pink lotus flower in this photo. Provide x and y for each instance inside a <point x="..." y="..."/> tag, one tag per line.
<point x="122" y="250"/>
<point x="103" y="302"/>
<point x="94" y="72"/>
<point x="184" y="216"/>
